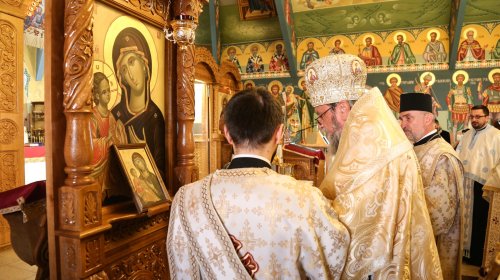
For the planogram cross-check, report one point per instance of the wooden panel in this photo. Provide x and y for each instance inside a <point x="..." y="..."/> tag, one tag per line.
<point x="4" y="232"/>
<point x="11" y="107"/>
<point x="201" y="157"/>
<point x="145" y="10"/>
<point x="203" y="73"/>
<point x="16" y="8"/>
<point x="87" y="241"/>
<point x="303" y="167"/>
<point x="55" y="124"/>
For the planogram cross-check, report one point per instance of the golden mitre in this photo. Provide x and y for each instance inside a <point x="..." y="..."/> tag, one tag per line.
<point x="334" y="78"/>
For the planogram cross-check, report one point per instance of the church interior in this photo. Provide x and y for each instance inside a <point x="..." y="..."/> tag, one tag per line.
<point x="95" y="92"/>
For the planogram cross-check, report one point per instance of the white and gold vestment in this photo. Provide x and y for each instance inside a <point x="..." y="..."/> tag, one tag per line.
<point x="376" y="189"/>
<point x="442" y="175"/>
<point x="254" y="221"/>
<point x="479" y="151"/>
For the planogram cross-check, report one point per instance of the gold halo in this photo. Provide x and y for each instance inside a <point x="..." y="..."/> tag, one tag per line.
<point x="438" y="34"/>
<point x="341" y="42"/>
<point x="275" y="82"/>
<point x="431" y="82"/>
<point x="226" y="51"/>
<point x="103" y="67"/>
<point x="393" y="75"/>
<point x="371" y="36"/>
<point x="248" y="82"/>
<point x="454" y="77"/>
<point x="272" y="46"/>
<point x="116" y="27"/>
<point x="490" y="75"/>
<point x="300" y="83"/>
<point x="290" y="86"/>
<point x="303" y="44"/>
<point x="464" y="35"/>
<point x="253" y="45"/>
<point x="396" y="36"/>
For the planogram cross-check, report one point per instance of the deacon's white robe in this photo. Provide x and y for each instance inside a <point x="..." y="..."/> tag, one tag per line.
<point x="282" y="229"/>
<point x="376" y="189"/>
<point x="480" y="153"/>
<point x="442" y="175"/>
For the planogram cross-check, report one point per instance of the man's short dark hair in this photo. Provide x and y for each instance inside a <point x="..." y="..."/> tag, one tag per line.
<point x="252" y="116"/>
<point x="486" y="112"/>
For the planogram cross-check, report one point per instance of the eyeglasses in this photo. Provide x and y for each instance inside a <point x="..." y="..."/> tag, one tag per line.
<point x="321" y="116"/>
<point x="476" y="117"/>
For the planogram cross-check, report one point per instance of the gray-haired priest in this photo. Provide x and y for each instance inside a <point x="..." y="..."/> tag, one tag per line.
<point x="442" y="175"/>
<point x="373" y="182"/>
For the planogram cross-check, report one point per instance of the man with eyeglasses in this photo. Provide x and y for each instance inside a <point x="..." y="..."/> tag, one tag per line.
<point x="373" y="182"/>
<point x="479" y="151"/>
<point x="442" y="175"/>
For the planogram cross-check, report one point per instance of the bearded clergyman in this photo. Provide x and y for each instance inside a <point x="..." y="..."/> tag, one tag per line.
<point x="374" y="182"/>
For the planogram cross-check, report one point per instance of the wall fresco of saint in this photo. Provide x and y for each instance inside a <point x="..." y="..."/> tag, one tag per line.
<point x="407" y="50"/>
<point x="399" y="61"/>
<point x="453" y="92"/>
<point x="258" y="57"/>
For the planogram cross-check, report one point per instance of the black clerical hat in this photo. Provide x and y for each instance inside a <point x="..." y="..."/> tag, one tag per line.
<point x="415" y="102"/>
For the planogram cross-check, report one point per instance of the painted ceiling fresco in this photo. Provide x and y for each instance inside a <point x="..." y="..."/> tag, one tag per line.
<point x="203" y="32"/>
<point x="371" y="17"/>
<point x="308" y="5"/>
<point x="235" y="30"/>
<point x="315" y="18"/>
<point x="482" y="11"/>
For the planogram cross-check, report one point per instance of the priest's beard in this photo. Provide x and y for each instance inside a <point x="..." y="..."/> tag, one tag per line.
<point x="334" y="141"/>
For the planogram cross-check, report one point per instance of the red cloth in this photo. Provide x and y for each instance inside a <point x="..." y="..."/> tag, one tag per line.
<point x="477" y="52"/>
<point x="31" y="192"/>
<point x="34" y="152"/>
<point x="317" y="153"/>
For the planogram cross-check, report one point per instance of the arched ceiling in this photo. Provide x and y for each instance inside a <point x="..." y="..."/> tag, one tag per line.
<point x="367" y="16"/>
<point x="482" y="11"/>
<point x="324" y="18"/>
<point x="235" y="30"/>
<point x="314" y="18"/>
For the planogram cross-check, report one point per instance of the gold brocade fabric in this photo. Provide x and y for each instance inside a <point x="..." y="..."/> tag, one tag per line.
<point x="376" y="188"/>
<point x="284" y="229"/>
<point x="442" y="175"/>
<point x="493" y="183"/>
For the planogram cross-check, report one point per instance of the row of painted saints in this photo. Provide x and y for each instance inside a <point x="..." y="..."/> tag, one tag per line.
<point x="469" y="50"/>
<point x="300" y="115"/>
<point x="459" y="98"/>
<point x="255" y="64"/>
<point x="434" y="52"/>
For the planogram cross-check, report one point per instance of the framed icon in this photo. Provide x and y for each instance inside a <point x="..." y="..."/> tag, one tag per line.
<point x="142" y="175"/>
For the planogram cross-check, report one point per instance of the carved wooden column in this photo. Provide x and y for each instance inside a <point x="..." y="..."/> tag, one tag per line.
<point x="215" y="144"/>
<point x="79" y="199"/>
<point x="12" y="14"/>
<point x="186" y="171"/>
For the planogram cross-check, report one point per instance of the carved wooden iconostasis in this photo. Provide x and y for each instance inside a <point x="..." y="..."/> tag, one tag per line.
<point x="12" y="15"/>
<point x="89" y="238"/>
<point x="94" y="45"/>
<point x="221" y="82"/>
